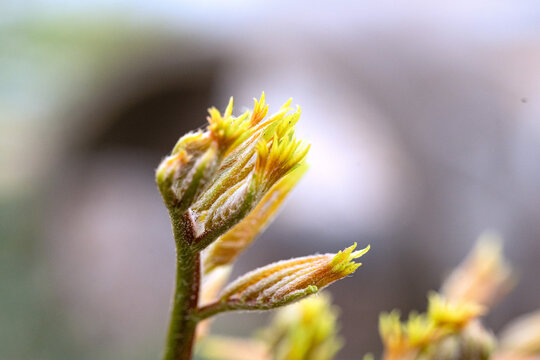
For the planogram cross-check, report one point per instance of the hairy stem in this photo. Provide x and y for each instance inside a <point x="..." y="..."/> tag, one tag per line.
<point x="211" y="310"/>
<point x="181" y="334"/>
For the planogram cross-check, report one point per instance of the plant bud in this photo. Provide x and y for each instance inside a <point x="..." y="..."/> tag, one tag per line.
<point x="394" y="337"/>
<point x="254" y="162"/>
<point x="452" y="315"/>
<point x="285" y="281"/>
<point x="182" y="175"/>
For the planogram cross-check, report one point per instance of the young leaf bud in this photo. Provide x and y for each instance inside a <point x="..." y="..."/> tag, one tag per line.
<point x="285" y="281"/>
<point x="420" y="330"/>
<point x="253" y="164"/>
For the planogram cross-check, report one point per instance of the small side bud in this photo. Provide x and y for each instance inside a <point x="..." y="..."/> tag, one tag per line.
<point x="285" y="281"/>
<point x="169" y="171"/>
<point x="182" y="176"/>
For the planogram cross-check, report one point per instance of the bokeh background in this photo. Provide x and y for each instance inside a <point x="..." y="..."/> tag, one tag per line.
<point x="424" y="120"/>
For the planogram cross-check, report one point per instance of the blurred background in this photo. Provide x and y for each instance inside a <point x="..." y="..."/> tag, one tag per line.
<point x="424" y="120"/>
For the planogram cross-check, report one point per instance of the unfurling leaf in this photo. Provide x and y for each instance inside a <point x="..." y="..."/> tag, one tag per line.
<point x="285" y="281"/>
<point x="227" y="248"/>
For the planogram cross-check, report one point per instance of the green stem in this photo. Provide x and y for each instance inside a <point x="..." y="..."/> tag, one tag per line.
<point x="212" y="309"/>
<point x="181" y="334"/>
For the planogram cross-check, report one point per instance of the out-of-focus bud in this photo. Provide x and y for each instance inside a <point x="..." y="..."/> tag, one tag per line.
<point x="307" y="330"/>
<point x="286" y="281"/>
<point x="434" y="334"/>
<point x="521" y="338"/>
<point x="452" y="315"/>
<point x="450" y="329"/>
<point x="421" y="330"/>
<point x="227" y="247"/>
<point x="408" y="340"/>
<point x="483" y="277"/>
<point x="394" y="337"/>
